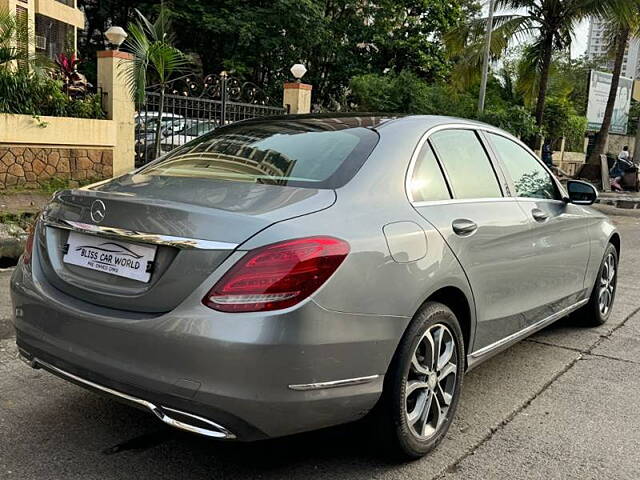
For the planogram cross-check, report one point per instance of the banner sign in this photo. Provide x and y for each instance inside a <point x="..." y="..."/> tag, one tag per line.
<point x="599" y="88"/>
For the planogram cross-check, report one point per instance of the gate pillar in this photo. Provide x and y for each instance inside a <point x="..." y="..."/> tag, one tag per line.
<point x="297" y="97"/>
<point x="118" y="105"/>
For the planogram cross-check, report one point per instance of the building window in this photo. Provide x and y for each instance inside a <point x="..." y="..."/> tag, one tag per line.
<point x="55" y="37"/>
<point x="22" y="16"/>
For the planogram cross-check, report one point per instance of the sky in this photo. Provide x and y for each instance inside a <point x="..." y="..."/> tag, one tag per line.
<point x="579" y="44"/>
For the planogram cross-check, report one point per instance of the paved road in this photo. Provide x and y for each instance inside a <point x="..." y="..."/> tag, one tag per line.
<point x="564" y="404"/>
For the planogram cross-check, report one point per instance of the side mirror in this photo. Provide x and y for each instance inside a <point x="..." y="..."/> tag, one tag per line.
<point x="581" y="193"/>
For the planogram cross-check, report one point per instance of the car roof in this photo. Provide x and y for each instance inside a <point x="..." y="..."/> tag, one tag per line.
<point x="374" y="120"/>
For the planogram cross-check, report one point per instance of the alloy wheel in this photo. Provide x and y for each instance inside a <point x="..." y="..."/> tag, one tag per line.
<point x="607" y="284"/>
<point x="431" y="381"/>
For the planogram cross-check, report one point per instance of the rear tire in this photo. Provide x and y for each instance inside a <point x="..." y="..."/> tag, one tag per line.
<point x="598" y="310"/>
<point x="423" y="384"/>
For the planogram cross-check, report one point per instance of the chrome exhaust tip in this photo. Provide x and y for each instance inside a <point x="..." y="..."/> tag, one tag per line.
<point x="171" y="416"/>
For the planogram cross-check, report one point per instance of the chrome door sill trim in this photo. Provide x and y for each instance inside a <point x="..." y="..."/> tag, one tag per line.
<point x="215" y="430"/>
<point x="486" y="352"/>
<point x="132" y="236"/>
<point x="348" y="382"/>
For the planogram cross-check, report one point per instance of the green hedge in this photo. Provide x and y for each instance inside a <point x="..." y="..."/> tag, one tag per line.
<point x="406" y="93"/>
<point x="29" y="94"/>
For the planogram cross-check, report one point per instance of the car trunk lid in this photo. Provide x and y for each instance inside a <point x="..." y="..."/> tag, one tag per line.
<point x="193" y="223"/>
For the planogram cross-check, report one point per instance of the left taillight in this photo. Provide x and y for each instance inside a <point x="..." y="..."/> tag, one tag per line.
<point x="277" y="276"/>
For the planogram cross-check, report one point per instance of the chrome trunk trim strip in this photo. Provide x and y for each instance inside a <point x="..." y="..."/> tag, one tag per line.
<point x="133" y="236"/>
<point x="215" y="430"/>
<point x="348" y="382"/>
<point x="484" y="353"/>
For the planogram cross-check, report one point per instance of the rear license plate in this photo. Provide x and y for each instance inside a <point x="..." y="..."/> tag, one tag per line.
<point x="114" y="257"/>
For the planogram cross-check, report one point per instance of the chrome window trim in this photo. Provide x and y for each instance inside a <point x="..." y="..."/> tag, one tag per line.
<point x="215" y="430"/>
<point x="348" y="382"/>
<point x="518" y="142"/>
<point x="480" y="128"/>
<point x="141" y="237"/>
<point x="425" y="138"/>
<point x="429" y="203"/>
<point x="483" y="353"/>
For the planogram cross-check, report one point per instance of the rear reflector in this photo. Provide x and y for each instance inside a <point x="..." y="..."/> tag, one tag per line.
<point x="277" y="276"/>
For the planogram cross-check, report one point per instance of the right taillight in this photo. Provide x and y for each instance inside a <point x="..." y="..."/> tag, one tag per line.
<point x="28" y="246"/>
<point x="277" y="276"/>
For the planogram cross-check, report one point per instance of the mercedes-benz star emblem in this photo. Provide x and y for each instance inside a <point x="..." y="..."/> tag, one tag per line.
<point x="98" y="211"/>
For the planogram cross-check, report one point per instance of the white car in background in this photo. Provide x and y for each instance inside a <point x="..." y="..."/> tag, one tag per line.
<point x="192" y="130"/>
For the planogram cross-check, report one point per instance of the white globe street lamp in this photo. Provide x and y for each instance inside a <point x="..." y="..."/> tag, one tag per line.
<point x="116" y="36"/>
<point x="298" y="71"/>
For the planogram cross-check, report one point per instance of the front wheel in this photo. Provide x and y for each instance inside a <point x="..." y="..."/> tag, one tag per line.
<point x="598" y="310"/>
<point x="423" y="386"/>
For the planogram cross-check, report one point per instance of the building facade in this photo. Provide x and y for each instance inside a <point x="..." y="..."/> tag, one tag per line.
<point x="54" y="22"/>
<point x="598" y="49"/>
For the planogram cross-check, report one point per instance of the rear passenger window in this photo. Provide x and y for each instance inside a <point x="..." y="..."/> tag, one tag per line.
<point x="427" y="182"/>
<point x="530" y="178"/>
<point x="466" y="163"/>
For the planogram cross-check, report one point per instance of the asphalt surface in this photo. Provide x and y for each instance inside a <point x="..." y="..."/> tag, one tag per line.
<point x="563" y="404"/>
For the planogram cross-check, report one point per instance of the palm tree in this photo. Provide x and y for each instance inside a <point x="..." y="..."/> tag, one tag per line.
<point x="620" y="28"/>
<point x="16" y="40"/>
<point x="550" y="23"/>
<point x="155" y="61"/>
<point x="12" y="30"/>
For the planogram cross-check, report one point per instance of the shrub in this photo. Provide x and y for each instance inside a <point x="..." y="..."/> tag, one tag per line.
<point x="29" y="94"/>
<point x="516" y="120"/>
<point x="407" y="93"/>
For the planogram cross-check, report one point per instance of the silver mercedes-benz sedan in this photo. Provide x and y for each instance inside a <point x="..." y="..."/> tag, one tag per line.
<point x="282" y="275"/>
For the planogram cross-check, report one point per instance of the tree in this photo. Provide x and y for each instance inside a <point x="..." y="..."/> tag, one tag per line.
<point x="621" y="28"/>
<point x="407" y="93"/>
<point x="550" y="23"/>
<point x="258" y="41"/>
<point x="155" y="61"/>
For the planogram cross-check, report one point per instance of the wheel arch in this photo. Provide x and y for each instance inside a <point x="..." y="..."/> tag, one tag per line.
<point x="457" y="301"/>
<point x="615" y="241"/>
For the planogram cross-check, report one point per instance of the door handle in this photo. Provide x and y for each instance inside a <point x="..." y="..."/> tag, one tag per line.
<point x="539" y="215"/>
<point x="464" y="227"/>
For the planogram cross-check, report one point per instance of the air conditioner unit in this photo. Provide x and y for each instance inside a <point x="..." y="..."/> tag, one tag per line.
<point x="41" y="42"/>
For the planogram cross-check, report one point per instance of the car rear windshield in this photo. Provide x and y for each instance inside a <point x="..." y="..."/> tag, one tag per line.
<point x="318" y="153"/>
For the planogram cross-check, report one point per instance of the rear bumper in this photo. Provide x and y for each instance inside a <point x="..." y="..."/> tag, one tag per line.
<point x="253" y="375"/>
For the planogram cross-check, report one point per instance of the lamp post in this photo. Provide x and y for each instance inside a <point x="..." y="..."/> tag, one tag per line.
<point x="115" y="36"/>
<point x="298" y="71"/>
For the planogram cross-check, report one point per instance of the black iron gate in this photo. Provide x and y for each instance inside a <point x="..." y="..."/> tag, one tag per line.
<point x="192" y="106"/>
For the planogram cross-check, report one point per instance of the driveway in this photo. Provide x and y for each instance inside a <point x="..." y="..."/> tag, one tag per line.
<point x="563" y="404"/>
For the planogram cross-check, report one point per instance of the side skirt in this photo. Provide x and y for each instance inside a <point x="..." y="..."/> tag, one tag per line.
<point x="476" y="358"/>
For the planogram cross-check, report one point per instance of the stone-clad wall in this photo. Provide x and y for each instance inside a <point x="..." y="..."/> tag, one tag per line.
<point x="29" y="167"/>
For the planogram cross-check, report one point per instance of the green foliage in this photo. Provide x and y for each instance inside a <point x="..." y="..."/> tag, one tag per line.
<point x="14" y="35"/>
<point x="407" y="93"/>
<point x="258" y="41"/>
<point x="29" y="94"/>
<point x="575" y="133"/>
<point x="561" y="120"/>
<point x="155" y="59"/>
<point x="547" y="26"/>
<point x="515" y="119"/>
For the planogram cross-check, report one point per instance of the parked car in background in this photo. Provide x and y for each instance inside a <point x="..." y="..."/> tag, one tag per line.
<point x="146" y="130"/>
<point x="281" y="275"/>
<point x="192" y="129"/>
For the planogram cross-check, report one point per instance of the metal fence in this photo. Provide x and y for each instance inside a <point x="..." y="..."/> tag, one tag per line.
<point x="193" y="106"/>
